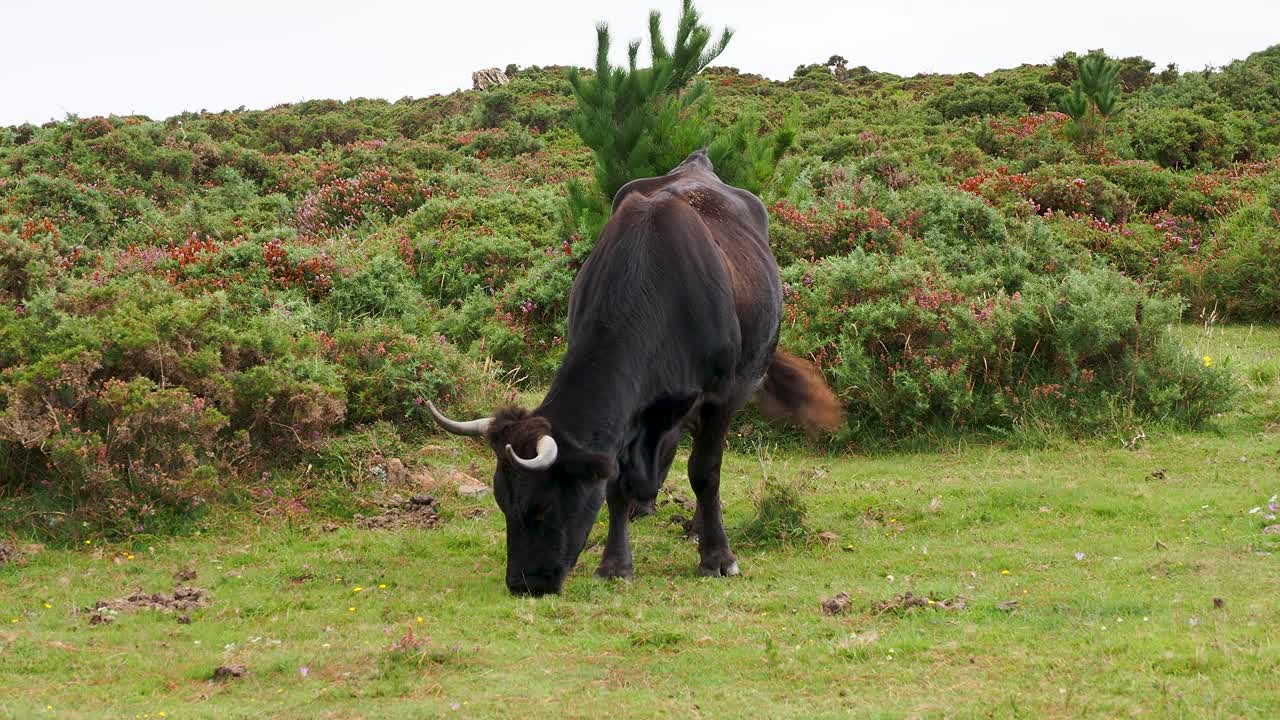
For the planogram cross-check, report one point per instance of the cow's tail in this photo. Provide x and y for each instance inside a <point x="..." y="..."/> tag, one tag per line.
<point x="793" y="390"/>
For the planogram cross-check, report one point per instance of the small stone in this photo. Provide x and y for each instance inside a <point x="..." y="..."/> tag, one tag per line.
<point x="329" y="527"/>
<point x="1271" y="530"/>
<point x="828" y="538"/>
<point x="1219" y="603"/>
<point x="422" y="499"/>
<point x="185" y="575"/>
<point x="184" y="619"/>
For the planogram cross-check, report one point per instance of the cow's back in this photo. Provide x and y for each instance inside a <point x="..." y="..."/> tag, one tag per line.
<point x="684" y="259"/>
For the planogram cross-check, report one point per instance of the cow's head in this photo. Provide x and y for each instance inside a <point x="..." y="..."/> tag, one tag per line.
<point x="549" y="489"/>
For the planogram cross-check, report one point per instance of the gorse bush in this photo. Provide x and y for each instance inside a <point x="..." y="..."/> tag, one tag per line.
<point x="1015" y="329"/>
<point x="213" y="302"/>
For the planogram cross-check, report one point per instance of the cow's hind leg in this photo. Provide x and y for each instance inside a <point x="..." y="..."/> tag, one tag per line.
<point x="616" y="562"/>
<point x="704" y="475"/>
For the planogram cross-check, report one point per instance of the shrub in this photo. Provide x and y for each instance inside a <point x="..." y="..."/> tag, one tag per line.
<point x="1173" y="138"/>
<point x="1236" y="270"/>
<point x="382" y="288"/>
<point x="913" y="348"/>
<point x="1093" y="196"/>
<point x="345" y="202"/>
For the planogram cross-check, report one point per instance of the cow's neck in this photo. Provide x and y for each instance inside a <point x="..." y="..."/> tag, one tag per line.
<point x="591" y="404"/>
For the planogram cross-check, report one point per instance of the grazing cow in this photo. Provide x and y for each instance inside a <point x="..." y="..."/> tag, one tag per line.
<point x="673" y="324"/>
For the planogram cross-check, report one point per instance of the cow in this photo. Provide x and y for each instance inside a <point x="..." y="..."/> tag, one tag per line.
<point x="673" y="326"/>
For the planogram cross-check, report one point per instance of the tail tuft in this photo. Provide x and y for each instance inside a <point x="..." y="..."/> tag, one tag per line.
<point x="794" y="391"/>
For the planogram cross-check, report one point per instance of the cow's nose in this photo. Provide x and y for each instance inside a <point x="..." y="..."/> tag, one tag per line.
<point x="534" y="585"/>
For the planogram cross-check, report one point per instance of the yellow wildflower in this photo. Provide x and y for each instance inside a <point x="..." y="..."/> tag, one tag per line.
<point x="1208" y="361"/>
<point x="1004" y="572"/>
<point x="382" y="586"/>
<point x="357" y="589"/>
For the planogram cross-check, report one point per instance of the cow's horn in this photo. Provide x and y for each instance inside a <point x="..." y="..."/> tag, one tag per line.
<point x="469" y="427"/>
<point x="547" y="452"/>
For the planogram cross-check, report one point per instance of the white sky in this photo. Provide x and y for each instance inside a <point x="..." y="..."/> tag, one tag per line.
<point x="162" y="57"/>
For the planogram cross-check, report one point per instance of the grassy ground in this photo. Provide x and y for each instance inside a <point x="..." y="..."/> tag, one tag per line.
<point x="1117" y="561"/>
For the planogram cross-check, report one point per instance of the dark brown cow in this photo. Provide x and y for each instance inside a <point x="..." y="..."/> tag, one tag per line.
<point x="673" y="324"/>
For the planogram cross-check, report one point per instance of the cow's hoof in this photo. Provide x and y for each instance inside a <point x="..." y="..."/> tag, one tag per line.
<point x="725" y="565"/>
<point x="610" y="571"/>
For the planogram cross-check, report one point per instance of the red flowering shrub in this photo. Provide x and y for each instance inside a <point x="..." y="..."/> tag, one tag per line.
<point x="345" y="202"/>
<point x="313" y="274"/>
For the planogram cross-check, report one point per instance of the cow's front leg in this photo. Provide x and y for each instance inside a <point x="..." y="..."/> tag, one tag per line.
<point x="616" y="562"/>
<point x="704" y="475"/>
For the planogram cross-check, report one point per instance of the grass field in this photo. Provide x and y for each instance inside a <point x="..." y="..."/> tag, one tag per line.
<point x="1097" y="581"/>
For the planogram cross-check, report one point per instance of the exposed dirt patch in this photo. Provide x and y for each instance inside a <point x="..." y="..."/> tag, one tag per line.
<point x="827" y="538"/>
<point x="836" y="604"/>
<point x="183" y="599"/>
<point x="420" y="511"/>
<point x="667" y="496"/>
<point x="228" y="672"/>
<point x="903" y="603"/>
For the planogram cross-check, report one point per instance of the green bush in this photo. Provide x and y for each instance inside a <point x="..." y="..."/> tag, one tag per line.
<point x="913" y="348"/>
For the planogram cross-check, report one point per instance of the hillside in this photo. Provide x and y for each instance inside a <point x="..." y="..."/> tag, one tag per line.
<point x="198" y="303"/>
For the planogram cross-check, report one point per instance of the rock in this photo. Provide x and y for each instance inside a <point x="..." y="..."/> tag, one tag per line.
<point x="469" y="486"/>
<point x="422" y="479"/>
<point x="185" y="575"/>
<point x="422" y="499"/>
<point x="828" y="538"/>
<point x="1271" y="530"/>
<point x="1219" y="603"/>
<point x="8" y="553"/>
<point x="328" y="527"/>
<point x="487" y="78"/>
<point x="184" y="619"/>
<point x="396" y="473"/>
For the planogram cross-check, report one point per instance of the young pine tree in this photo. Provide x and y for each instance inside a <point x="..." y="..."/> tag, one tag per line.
<point x="1093" y="101"/>
<point x="642" y="121"/>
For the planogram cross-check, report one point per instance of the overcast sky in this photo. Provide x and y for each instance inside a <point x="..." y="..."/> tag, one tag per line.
<point x="162" y="57"/>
